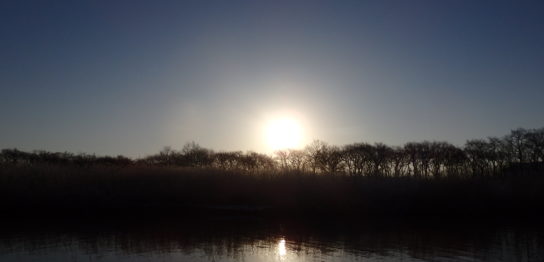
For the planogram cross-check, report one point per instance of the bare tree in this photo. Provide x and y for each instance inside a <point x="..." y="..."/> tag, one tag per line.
<point x="517" y="141"/>
<point x="534" y="140"/>
<point x="297" y="160"/>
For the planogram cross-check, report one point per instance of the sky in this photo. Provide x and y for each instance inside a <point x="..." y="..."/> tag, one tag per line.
<point x="130" y="77"/>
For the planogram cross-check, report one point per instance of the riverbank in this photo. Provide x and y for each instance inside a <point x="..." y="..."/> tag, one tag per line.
<point x="48" y="190"/>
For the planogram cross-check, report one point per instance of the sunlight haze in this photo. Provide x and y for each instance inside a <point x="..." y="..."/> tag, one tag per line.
<point x="130" y="77"/>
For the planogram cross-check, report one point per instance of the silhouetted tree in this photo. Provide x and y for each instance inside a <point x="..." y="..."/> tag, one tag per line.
<point x="313" y="153"/>
<point x="399" y="161"/>
<point x="325" y="158"/>
<point x="227" y="160"/>
<point x="521" y="151"/>
<point x="283" y="157"/>
<point x="517" y="141"/>
<point x="197" y="156"/>
<point x="534" y="141"/>
<point x="296" y="160"/>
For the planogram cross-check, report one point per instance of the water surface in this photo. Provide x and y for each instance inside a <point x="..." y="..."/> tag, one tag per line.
<point x="251" y="239"/>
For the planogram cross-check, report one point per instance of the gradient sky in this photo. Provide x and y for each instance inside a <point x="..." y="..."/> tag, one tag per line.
<point x="129" y="77"/>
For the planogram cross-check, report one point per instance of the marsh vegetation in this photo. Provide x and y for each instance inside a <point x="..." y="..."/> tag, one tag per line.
<point x="498" y="176"/>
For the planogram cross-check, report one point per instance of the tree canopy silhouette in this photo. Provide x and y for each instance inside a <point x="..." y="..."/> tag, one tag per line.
<point x="521" y="151"/>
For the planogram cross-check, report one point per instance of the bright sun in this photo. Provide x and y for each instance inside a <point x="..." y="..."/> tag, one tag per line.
<point x="284" y="133"/>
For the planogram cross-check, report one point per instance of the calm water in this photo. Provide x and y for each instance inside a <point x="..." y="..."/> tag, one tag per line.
<point x="244" y="239"/>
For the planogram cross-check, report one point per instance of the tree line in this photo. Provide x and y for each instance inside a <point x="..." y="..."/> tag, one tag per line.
<point x="520" y="151"/>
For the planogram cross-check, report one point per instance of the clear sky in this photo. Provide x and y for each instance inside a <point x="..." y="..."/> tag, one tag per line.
<point x="129" y="77"/>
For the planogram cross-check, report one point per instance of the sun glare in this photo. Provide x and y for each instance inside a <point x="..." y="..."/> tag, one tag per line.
<point x="284" y="133"/>
<point x="281" y="248"/>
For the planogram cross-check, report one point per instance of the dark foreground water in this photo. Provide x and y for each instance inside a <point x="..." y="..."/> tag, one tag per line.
<point x="252" y="239"/>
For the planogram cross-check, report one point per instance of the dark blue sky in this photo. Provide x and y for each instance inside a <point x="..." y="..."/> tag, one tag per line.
<point x="128" y="77"/>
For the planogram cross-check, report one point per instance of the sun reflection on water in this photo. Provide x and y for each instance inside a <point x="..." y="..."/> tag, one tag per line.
<point x="281" y="249"/>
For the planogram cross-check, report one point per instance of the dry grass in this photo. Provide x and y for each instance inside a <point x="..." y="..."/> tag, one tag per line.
<point x="46" y="188"/>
